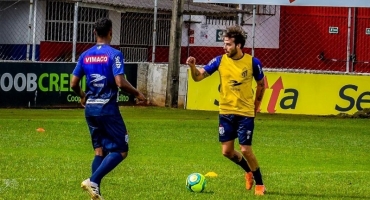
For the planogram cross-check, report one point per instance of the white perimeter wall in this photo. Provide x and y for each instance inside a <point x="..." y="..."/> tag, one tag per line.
<point x="152" y="82"/>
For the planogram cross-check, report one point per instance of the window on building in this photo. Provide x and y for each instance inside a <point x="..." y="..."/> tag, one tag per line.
<point x="59" y="22"/>
<point x="248" y="10"/>
<point x="266" y="10"/>
<point x="221" y="20"/>
<point x="137" y="34"/>
<point x="137" y="29"/>
<point x="226" y="20"/>
<point x="227" y="5"/>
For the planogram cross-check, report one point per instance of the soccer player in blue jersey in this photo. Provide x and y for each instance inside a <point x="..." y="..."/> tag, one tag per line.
<point x="237" y="108"/>
<point x="104" y="70"/>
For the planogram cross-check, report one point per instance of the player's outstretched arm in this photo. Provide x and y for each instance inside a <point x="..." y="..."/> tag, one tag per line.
<point x="196" y="74"/>
<point x="126" y="86"/>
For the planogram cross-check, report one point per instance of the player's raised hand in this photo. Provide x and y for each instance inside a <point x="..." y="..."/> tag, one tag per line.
<point x="191" y="61"/>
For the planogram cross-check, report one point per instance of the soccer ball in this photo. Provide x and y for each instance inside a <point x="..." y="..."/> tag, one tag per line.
<point x="196" y="182"/>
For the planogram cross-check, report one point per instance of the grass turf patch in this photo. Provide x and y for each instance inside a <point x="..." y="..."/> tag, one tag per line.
<point x="301" y="157"/>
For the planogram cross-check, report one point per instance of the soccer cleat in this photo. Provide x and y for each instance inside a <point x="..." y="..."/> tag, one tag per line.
<point x="91" y="190"/>
<point x="249" y="180"/>
<point x="260" y="190"/>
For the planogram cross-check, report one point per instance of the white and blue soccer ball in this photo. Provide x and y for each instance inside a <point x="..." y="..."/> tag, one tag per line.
<point x="196" y="182"/>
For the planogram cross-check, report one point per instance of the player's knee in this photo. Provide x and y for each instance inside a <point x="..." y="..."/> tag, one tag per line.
<point x="228" y="154"/>
<point x="124" y="155"/>
<point x="248" y="153"/>
<point x="99" y="151"/>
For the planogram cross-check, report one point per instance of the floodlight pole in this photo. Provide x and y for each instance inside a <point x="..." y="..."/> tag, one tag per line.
<point x="75" y="27"/>
<point x="154" y="30"/>
<point x="253" y="28"/>
<point x="34" y="32"/>
<point x="348" y="40"/>
<point x="240" y="15"/>
<point x="29" y="31"/>
<point x="172" y="90"/>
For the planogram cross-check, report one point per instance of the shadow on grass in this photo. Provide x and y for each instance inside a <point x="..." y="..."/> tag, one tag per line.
<point x="204" y="193"/>
<point x="321" y="196"/>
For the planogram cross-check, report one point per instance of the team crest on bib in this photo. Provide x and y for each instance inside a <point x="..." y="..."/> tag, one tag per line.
<point x="249" y="133"/>
<point x="244" y="73"/>
<point x="221" y="130"/>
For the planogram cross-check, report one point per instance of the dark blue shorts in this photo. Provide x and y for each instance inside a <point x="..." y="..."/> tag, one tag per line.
<point x="108" y="132"/>
<point x="236" y="126"/>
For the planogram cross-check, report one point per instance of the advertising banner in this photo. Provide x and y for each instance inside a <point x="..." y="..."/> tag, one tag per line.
<point x="293" y="93"/>
<point x="46" y="85"/>
<point x="332" y="3"/>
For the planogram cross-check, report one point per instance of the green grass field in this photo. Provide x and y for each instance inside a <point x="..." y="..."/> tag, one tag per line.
<point x="301" y="157"/>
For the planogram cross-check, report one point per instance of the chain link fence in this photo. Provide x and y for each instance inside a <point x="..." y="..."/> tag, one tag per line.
<point x="282" y="37"/>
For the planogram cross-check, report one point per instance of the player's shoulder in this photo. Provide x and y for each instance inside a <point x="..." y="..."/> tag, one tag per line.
<point x="256" y="61"/>
<point x="88" y="51"/>
<point x="111" y="49"/>
<point x="116" y="51"/>
<point x="84" y="54"/>
<point x="216" y="60"/>
<point x="113" y="52"/>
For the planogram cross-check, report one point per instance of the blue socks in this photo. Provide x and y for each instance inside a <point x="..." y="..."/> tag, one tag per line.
<point x="107" y="165"/>
<point x="96" y="163"/>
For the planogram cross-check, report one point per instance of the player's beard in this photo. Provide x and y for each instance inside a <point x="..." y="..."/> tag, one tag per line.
<point x="232" y="53"/>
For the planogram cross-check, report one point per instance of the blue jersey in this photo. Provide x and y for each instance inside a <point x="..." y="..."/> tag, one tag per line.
<point x="100" y="64"/>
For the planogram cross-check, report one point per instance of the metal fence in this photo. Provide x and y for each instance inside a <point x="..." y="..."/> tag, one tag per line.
<point x="282" y="37"/>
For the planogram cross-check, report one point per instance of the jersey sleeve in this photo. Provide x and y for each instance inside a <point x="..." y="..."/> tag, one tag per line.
<point x="257" y="69"/>
<point x="118" y="65"/>
<point x="213" y="65"/>
<point x="79" y="71"/>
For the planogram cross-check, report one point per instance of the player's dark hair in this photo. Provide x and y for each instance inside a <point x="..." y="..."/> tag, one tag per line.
<point x="237" y="33"/>
<point x="103" y="26"/>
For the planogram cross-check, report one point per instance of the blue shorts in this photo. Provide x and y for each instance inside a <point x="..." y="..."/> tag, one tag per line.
<point x="108" y="132"/>
<point x="236" y="126"/>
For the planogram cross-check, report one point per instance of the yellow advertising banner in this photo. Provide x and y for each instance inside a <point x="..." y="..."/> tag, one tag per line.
<point x="293" y="93"/>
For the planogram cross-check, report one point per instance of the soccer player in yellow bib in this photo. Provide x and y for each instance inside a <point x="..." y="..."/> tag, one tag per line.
<point x="237" y="105"/>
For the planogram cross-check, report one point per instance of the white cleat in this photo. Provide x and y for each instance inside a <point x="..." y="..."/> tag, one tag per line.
<point x="91" y="190"/>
